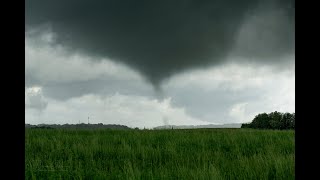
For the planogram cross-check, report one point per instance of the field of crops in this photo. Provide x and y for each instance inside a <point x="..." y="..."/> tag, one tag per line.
<point x="159" y="154"/>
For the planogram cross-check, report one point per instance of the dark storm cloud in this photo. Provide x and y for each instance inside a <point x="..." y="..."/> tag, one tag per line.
<point x="98" y="87"/>
<point x="103" y="85"/>
<point x="161" y="38"/>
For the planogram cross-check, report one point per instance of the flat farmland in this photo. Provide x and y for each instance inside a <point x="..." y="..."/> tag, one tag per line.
<point x="159" y="154"/>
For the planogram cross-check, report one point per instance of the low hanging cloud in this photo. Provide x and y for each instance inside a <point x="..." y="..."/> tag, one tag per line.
<point x="218" y="93"/>
<point x="210" y="95"/>
<point x="133" y="111"/>
<point x="34" y="99"/>
<point x="234" y="93"/>
<point x="239" y="111"/>
<point x="162" y="38"/>
<point x="63" y="76"/>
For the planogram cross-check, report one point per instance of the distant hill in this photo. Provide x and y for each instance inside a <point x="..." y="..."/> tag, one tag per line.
<point x="77" y="126"/>
<point x="117" y="126"/>
<point x="234" y="125"/>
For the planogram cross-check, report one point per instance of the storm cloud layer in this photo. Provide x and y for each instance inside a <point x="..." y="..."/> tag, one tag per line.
<point x="162" y="38"/>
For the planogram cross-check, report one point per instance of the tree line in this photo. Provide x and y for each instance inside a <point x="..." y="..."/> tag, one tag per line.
<point x="273" y="120"/>
<point x="78" y="126"/>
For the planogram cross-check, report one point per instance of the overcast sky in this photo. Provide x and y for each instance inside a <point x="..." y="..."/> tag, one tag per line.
<point x="147" y="65"/>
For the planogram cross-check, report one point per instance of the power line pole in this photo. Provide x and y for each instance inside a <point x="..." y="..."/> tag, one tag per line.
<point x="88" y="119"/>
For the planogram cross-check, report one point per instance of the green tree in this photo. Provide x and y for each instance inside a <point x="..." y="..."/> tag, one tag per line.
<point x="261" y="121"/>
<point x="273" y="120"/>
<point x="292" y="121"/>
<point x="286" y="121"/>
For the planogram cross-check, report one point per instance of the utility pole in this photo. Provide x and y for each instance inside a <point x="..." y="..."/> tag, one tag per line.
<point x="88" y="119"/>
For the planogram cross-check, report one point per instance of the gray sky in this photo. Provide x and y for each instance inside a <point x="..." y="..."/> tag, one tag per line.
<point x="186" y="66"/>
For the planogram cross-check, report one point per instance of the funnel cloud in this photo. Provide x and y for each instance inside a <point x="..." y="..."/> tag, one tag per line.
<point x="162" y="38"/>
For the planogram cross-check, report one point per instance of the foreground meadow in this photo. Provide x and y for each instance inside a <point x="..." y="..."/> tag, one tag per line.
<point x="159" y="154"/>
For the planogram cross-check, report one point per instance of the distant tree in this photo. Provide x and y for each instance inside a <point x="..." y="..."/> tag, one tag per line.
<point x="261" y="121"/>
<point x="286" y="121"/>
<point x="292" y="121"/>
<point x="246" y="125"/>
<point x="273" y="120"/>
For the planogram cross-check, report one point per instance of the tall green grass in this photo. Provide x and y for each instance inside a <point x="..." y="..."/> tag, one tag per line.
<point x="159" y="154"/>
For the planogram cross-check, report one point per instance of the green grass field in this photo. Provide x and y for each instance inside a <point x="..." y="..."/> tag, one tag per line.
<point x="159" y="154"/>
